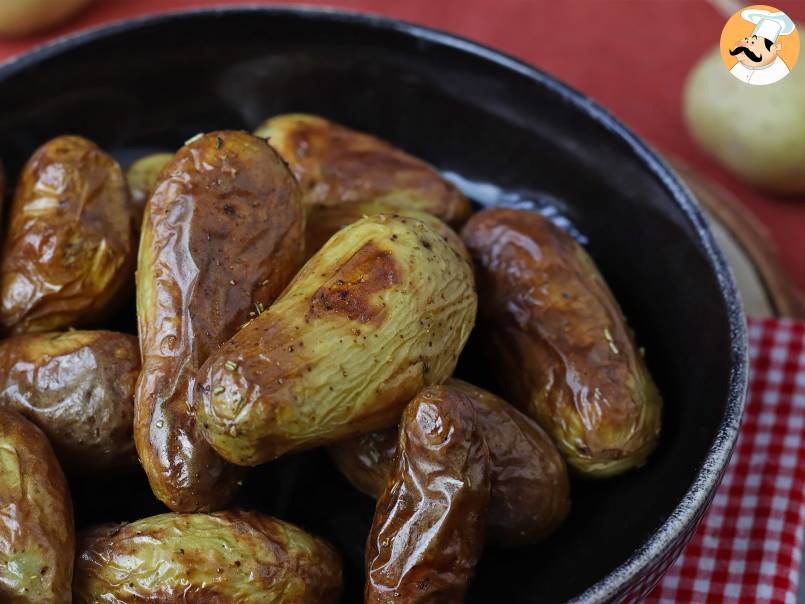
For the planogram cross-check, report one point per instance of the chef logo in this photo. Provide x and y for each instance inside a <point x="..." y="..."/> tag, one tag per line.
<point x="760" y="45"/>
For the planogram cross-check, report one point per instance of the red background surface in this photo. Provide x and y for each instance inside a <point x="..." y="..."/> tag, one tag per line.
<point x="630" y="55"/>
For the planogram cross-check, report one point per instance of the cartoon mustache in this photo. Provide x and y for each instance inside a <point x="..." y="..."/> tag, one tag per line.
<point x="743" y="49"/>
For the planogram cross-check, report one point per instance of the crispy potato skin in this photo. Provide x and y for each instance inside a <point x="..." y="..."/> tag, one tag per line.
<point x="222" y="233"/>
<point x="530" y="486"/>
<point x="220" y="558"/>
<point x="428" y="527"/>
<point x="381" y="311"/>
<point x="142" y="177"/>
<point x="561" y="343"/>
<point x="336" y="165"/>
<point x="78" y="387"/>
<point x="69" y="251"/>
<point x="37" y="542"/>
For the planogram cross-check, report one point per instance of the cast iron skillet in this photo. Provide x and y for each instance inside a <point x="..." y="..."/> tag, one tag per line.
<point x="507" y="133"/>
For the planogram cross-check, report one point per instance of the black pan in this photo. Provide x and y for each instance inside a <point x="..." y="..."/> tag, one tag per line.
<point x="507" y="133"/>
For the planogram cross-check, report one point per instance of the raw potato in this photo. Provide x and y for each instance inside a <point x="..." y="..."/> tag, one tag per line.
<point x="756" y="132"/>
<point x="530" y="487"/>
<point x="69" y="252"/>
<point x="428" y="527"/>
<point x="37" y="543"/>
<point x="23" y="17"/>
<point x="336" y="165"/>
<point x="560" y="343"/>
<point x="218" y="558"/>
<point x="223" y="234"/>
<point x="381" y="311"/>
<point x="78" y="387"/>
<point x="142" y="177"/>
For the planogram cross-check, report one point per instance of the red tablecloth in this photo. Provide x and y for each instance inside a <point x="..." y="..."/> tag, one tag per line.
<point x="631" y="55"/>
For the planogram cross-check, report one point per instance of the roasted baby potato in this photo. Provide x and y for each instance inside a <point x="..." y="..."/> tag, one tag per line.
<point x="142" y="177"/>
<point x="78" y="387"/>
<point x="69" y="251"/>
<point x="530" y="487"/>
<point x="428" y="527"/>
<point x="382" y="310"/>
<point x="336" y="165"/>
<point x="218" y="558"/>
<point x="37" y="542"/>
<point x="223" y="234"/>
<point x="560" y="342"/>
<point x="367" y="460"/>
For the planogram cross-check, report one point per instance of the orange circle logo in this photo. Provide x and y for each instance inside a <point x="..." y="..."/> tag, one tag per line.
<point x="760" y="45"/>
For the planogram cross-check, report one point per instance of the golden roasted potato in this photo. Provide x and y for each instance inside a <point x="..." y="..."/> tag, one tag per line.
<point x="336" y="165"/>
<point x="219" y="558"/>
<point x="223" y="234"/>
<point x="37" y="542"/>
<point x="381" y="311"/>
<point x="530" y="487"/>
<point x="428" y="528"/>
<point x="560" y="343"/>
<point x="142" y="177"/>
<point x="69" y="251"/>
<point x="24" y="17"/>
<point x="78" y="387"/>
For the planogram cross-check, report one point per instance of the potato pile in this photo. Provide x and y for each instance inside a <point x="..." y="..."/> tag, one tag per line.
<point x="304" y="286"/>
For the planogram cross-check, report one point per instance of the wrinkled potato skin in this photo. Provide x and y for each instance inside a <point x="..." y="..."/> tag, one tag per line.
<point x="381" y="311"/>
<point x="37" y="542"/>
<point x="143" y="176"/>
<point x="561" y="342"/>
<point x="427" y="532"/>
<point x="69" y="251"/>
<point x="223" y="232"/>
<point x="220" y="558"/>
<point x="530" y="486"/>
<point x="336" y="165"/>
<point x="78" y="388"/>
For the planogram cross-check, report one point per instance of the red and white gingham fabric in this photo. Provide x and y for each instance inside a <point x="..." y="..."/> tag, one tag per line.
<point x="749" y="544"/>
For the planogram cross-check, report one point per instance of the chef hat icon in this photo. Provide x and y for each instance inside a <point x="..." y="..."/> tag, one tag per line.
<point x="768" y="25"/>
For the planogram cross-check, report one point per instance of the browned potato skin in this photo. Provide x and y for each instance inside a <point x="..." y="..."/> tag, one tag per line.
<point x="427" y="532"/>
<point x="78" y="387"/>
<point x="336" y="165"/>
<point x="367" y="460"/>
<point x="530" y="486"/>
<point x="561" y="343"/>
<point x="222" y="233"/>
<point x="36" y="533"/>
<point x="69" y="251"/>
<point x="223" y="558"/>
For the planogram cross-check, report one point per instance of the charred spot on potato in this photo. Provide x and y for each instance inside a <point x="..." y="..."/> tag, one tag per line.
<point x="369" y="271"/>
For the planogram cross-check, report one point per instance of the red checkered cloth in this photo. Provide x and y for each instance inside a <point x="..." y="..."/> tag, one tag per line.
<point x="749" y="544"/>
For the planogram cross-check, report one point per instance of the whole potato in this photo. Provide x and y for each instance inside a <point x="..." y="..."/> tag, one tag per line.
<point x="69" y="251"/>
<point x="559" y="341"/>
<point x="24" y="17"/>
<point x="382" y="310"/>
<point x="37" y="542"/>
<point x="756" y="132"/>
<point x="427" y="532"/>
<point x="336" y="165"/>
<point x="530" y="487"/>
<point x="220" y="558"/>
<point x="142" y="177"/>
<point x="78" y="387"/>
<point x="223" y="234"/>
